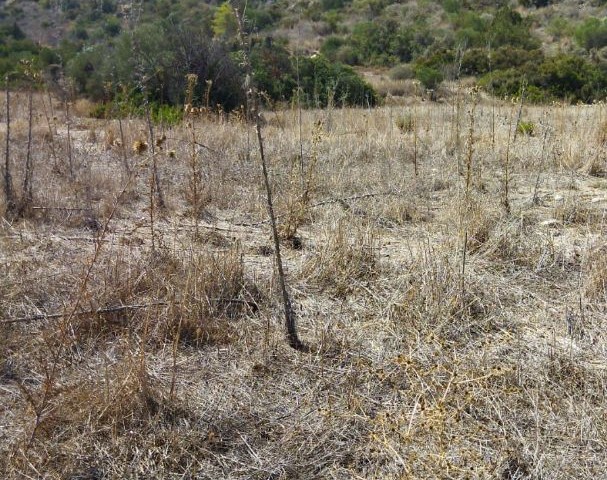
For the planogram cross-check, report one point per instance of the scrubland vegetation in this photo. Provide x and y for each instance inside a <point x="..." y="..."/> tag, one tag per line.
<point x="396" y="270"/>
<point x="445" y="261"/>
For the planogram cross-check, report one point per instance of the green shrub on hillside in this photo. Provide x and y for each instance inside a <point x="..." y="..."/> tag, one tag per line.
<point x="535" y="3"/>
<point x="272" y="70"/>
<point x="573" y="78"/>
<point x="508" y="27"/>
<point x="430" y="77"/>
<point x="479" y="61"/>
<point x="563" y="77"/>
<point x="381" y="43"/>
<point x="323" y="82"/>
<point x="592" y="33"/>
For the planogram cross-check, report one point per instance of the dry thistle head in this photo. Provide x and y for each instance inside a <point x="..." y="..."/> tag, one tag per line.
<point x="192" y="80"/>
<point x="160" y="141"/>
<point x="139" y="147"/>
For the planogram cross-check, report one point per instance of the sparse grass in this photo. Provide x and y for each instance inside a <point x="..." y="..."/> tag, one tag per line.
<point x="175" y="364"/>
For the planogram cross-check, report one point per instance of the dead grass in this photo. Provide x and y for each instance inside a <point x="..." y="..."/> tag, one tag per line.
<point x="166" y="357"/>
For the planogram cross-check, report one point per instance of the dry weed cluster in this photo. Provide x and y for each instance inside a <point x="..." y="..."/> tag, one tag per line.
<point x="448" y="275"/>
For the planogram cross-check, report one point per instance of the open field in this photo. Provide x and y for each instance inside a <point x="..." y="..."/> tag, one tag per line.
<point x="449" y="276"/>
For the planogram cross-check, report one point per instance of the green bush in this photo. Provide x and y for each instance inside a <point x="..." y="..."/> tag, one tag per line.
<point x="322" y="81"/>
<point x="382" y="42"/>
<point x="526" y="128"/>
<point x="430" y="77"/>
<point x="475" y="62"/>
<point x="564" y="77"/>
<point x="504" y="83"/>
<point x="535" y="3"/>
<point x="331" y="46"/>
<point x="479" y="61"/>
<point x="272" y="70"/>
<point x="470" y="28"/>
<point x="510" y="28"/>
<point x="592" y="33"/>
<point x="112" y="27"/>
<point x="452" y="6"/>
<point x="560" y="27"/>
<point x="573" y="78"/>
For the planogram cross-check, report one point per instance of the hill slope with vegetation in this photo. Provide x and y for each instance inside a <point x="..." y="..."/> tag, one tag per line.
<point x="109" y="47"/>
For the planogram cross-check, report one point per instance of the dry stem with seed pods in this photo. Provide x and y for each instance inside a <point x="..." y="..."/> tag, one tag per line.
<point x="455" y="318"/>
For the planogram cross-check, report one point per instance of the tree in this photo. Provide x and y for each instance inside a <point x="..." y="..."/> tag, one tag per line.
<point x="225" y="24"/>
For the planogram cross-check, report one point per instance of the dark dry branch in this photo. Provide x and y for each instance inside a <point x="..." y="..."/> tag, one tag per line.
<point x="99" y="311"/>
<point x="290" y="320"/>
<point x="8" y="180"/>
<point x="330" y="201"/>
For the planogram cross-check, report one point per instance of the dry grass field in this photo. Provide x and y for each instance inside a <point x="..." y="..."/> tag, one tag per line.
<point x="448" y="274"/>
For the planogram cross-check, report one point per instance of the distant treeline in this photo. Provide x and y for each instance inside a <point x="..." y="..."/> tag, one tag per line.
<point x="122" y="52"/>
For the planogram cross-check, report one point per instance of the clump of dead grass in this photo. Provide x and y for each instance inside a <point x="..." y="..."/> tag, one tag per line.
<point x="595" y="282"/>
<point x="574" y="211"/>
<point x="211" y="294"/>
<point x="198" y="297"/>
<point x="346" y="259"/>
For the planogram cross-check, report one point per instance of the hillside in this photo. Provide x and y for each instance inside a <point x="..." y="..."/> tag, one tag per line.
<point x="557" y="48"/>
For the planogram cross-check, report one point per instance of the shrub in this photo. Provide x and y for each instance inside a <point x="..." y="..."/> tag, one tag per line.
<point x="272" y="70"/>
<point x="571" y="77"/>
<point x="475" y="62"/>
<point x="506" y="82"/>
<point x="592" y="34"/>
<point x="403" y="71"/>
<point x="331" y="46"/>
<point x="535" y="3"/>
<point x="470" y="28"/>
<point x="430" y="77"/>
<point x="510" y="28"/>
<point x="563" y="76"/>
<point x="321" y="80"/>
<point x="348" y="55"/>
<point x="559" y="27"/>
<point x="382" y="42"/>
<point x="526" y="128"/>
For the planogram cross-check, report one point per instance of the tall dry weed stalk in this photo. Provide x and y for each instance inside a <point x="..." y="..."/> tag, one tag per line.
<point x="456" y="127"/>
<point x="68" y="124"/>
<point x="520" y="109"/>
<point x="415" y="133"/>
<point x="157" y="188"/>
<point x="511" y="139"/>
<point x="535" y="199"/>
<point x="51" y="127"/>
<point x="466" y="214"/>
<point x="195" y="178"/>
<point x="506" y="171"/>
<point x="27" y="192"/>
<point x="253" y="101"/>
<point x="123" y="147"/>
<point x="299" y="206"/>
<point x="290" y="319"/>
<point x="9" y="196"/>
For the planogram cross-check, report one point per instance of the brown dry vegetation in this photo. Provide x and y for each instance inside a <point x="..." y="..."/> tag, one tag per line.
<point x="166" y="357"/>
